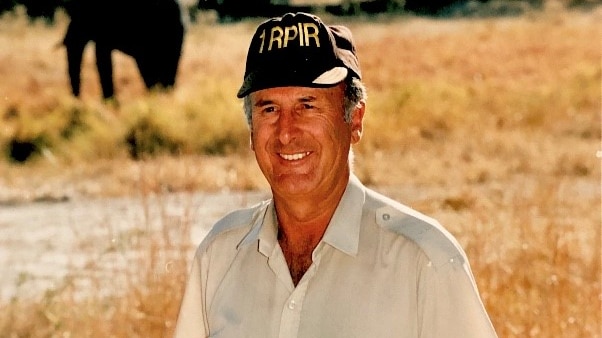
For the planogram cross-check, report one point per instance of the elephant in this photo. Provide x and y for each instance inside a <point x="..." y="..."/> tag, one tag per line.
<point x="150" y="31"/>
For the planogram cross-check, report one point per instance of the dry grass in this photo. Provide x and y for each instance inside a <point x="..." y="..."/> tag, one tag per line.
<point x="490" y="125"/>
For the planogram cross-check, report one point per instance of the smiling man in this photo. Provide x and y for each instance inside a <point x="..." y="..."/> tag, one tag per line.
<point x="325" y="256"/>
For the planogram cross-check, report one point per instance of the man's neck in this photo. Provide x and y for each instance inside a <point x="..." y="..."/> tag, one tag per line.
<point x="302" y="234"/>
<point x="304" y="219"/>
<point x="298" y="239"/>
<point x="302" y="222"/>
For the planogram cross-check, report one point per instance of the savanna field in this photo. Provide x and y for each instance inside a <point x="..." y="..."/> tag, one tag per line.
<point x="491" y="125"/>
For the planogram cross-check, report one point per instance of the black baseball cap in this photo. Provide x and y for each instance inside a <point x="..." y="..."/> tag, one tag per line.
<point x="298" y="49"/>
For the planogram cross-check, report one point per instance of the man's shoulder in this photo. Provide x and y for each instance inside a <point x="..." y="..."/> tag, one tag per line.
<point x="240" y="220"/>
<point x="432" y="238"/>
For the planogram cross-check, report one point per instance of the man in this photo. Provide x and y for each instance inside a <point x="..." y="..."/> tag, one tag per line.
<point x="325" y="257"/>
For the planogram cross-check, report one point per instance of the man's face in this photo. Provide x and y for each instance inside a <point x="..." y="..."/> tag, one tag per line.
<point x="301" y="140"/>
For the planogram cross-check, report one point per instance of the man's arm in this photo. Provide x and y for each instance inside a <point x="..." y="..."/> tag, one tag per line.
<point x="449" y="302"/>
<point x="192" y="320"/>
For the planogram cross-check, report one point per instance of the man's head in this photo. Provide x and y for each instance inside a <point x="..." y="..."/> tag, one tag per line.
<point x="304" y="102"/>
<point x="298" y="49"/>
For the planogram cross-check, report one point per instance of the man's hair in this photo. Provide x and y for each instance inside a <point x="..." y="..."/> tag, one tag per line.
<point x="355" y="92"/>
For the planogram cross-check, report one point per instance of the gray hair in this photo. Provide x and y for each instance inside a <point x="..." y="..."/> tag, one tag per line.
<point x="355" y="92"/>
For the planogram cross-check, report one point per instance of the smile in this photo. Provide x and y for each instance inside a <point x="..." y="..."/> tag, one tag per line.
<point x="294" y="157"/>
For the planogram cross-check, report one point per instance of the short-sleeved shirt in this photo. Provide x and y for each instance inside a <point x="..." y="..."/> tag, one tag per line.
<point x="380" y="270"/>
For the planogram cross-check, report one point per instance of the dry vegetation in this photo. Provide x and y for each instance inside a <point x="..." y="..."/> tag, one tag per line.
<point x="490" y="125"/>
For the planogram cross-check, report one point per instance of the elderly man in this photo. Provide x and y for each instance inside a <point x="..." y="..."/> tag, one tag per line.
<point x="326" y="256"/>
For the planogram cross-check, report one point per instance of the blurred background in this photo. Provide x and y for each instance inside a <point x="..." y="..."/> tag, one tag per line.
<point x="482" y="114"/>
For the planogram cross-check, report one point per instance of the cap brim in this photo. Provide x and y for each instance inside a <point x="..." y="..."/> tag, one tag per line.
<point x="332" y="76"/>
<point x="257" y="81"/>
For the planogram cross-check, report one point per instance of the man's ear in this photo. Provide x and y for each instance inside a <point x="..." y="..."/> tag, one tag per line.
<point x="357" y="122"/>
<point x="251" y="141"/>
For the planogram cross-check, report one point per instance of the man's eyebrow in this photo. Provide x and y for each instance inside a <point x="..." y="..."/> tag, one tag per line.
<point x="266" y="102"/>
<point x="308" y="98"/>
<point x="262" y="102"/>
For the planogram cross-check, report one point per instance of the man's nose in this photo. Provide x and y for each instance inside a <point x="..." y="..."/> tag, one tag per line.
<point x="287" y="127"/>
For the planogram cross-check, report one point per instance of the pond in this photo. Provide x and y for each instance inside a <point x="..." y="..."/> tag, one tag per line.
<point x="42" y="242"/>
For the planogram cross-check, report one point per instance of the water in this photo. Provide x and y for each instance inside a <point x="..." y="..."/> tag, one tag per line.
<point x="41" y="243"/>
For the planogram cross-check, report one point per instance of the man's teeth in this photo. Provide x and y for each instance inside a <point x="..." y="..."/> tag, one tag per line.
<point x="294" y="157"/>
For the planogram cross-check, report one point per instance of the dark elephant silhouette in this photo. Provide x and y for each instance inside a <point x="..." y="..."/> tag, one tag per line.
<point x="150" y="31"/>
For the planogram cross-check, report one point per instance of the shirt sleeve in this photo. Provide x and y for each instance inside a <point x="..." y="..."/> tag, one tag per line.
<point x="192" y="319"/>
<point x="449" y="303"/>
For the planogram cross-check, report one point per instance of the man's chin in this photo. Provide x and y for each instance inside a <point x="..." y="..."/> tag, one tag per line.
<point x="293" y="184"/>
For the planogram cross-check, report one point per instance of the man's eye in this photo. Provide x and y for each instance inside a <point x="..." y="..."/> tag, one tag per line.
<point x="269" y="109"/>
<point x="307" y="106"/>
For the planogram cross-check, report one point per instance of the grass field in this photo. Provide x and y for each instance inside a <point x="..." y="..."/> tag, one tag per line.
<point x="490" y="125"/>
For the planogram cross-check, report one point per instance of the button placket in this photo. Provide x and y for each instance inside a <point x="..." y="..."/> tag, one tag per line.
<point x="291" y="312"/>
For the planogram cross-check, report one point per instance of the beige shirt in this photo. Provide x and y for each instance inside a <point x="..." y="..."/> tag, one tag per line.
<point x="381" y="270"/>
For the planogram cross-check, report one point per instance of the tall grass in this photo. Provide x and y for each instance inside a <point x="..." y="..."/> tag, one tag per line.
<point x="490" y="125"/>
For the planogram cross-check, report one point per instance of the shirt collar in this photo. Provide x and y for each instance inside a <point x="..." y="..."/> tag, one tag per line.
<point x="268" y="236"/>
<point x="343" y="230"/>
<point x="261" y="216"/>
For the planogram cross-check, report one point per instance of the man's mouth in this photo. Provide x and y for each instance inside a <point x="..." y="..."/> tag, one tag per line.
<point x="294" y="157"/>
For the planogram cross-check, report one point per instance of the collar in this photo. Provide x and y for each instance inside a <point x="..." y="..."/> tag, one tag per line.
<point x="342" y="232"/>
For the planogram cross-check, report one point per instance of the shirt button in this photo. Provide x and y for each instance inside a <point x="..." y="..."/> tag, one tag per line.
<point x="292" y="304"/>
<point x="386" y="217"/>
